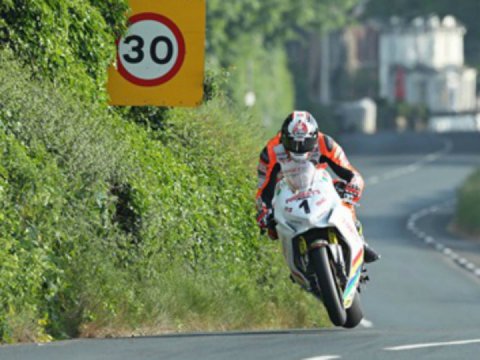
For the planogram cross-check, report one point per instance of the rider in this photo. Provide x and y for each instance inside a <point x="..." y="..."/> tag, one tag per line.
<point x="300" y="140"/>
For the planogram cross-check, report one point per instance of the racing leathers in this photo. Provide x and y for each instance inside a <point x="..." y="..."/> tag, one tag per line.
<point x="327" y="154"/>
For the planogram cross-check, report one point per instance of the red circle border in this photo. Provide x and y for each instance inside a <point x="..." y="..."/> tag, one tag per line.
<point x="181" y="51"/>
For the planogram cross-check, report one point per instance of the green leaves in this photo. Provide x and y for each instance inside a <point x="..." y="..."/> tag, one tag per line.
<point x="105" y="224"/>
<point x="249" y="38"/>
<point x="468" y="207"/>
<point x="274" y="20"/>
<point x="94" y="210"/>
<point x="70" y="41"/>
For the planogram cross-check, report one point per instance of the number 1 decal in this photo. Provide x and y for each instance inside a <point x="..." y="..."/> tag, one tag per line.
<point x="305" y="206"/>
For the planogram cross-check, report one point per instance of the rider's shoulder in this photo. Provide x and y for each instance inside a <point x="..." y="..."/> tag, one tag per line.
<point x="327" y="141"/>
<point x="274" y="141"/>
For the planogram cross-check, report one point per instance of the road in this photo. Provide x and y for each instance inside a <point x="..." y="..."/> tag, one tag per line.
<point x="419" y="305"/>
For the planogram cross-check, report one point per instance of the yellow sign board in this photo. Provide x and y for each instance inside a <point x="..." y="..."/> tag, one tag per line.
<point x="160" y="59"/>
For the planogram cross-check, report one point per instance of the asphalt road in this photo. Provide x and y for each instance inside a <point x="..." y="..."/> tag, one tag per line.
<point x="419" y="304"/>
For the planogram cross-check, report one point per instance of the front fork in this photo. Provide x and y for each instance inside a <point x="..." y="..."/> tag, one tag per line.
<point x="303" y="275"/>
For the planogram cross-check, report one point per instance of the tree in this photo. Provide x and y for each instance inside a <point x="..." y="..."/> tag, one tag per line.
<point x="274" y="20"/>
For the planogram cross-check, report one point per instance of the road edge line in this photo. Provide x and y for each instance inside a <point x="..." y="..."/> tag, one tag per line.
<point x="431" y="242"/>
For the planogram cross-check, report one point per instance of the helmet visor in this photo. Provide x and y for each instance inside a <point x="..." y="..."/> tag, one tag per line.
<point x="300" y="146"/>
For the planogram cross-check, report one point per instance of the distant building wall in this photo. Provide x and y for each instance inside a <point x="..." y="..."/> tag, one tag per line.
<point x="422" y="62"/>
<point x="359" y="116"/>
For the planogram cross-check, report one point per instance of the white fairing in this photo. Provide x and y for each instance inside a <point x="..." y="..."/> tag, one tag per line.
<point x="304" y="199"/>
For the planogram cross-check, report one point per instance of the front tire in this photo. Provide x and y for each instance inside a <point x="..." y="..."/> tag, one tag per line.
<point x="354" y="313"/>
<point x="328" y="286"/>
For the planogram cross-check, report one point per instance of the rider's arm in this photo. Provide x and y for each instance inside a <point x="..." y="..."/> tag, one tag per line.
<point x="335" y="157"/>
<point x="268" y="170"/>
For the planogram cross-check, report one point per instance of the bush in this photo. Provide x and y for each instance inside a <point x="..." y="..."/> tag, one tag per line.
<point x="60" y="158"/>
<point x="71" y="42"/>
<point x="108" y="227"/>
<point x="468" y="207"/>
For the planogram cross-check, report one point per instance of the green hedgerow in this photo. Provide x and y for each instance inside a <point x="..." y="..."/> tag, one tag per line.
<point x="109" y="227"/>
<point x="468" y="207"/>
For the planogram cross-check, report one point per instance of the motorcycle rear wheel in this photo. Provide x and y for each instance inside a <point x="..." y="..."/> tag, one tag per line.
<point x="328" y="286"/>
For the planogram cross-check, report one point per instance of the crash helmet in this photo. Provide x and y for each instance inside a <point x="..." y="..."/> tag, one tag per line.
<point x="299" y="135"/>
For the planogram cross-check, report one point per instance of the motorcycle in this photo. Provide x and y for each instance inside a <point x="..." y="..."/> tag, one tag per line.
<point x="320" y="241"/>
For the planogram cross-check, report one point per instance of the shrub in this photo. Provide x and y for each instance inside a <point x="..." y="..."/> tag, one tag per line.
<point x="468" y="207"/>
<point x="71" y="42"/>
<point x="113" y="228"/>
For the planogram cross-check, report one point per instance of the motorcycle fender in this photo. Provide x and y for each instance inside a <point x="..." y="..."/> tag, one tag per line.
<point x="288" y="254"/>
<point x="341" y="218"/>
<point x="337" y="254"/>
<point x="318" y="244"/>
<point x="334" y="250"/>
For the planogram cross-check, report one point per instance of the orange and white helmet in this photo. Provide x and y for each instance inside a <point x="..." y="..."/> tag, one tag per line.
<point x="299" y="135"/>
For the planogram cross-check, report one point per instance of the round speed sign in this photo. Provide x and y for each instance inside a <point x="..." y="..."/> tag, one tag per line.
<point x="153" y="50"/>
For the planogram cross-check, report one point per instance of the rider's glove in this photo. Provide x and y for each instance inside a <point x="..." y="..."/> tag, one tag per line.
<point x="352" y="193"/>
<point x="266" y="222"/>
<point x="272" y="233"/>
<point x="263" y="216"/>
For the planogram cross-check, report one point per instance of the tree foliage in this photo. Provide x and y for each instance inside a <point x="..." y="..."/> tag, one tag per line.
<point x="276" y="21"/>
<point x="248" y="38"/>
<point x="105" y="224"/>
<point x="67" y="41"/>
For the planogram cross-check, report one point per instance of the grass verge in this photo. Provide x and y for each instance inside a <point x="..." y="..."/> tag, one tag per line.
<point x="468" y="208"/>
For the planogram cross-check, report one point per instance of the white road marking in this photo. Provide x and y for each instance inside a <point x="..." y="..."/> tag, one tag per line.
<point x="471" y="267"/>
<point x="428" y="345"/>
<point x="411" y="168"/>
<point x="447" y="251"/>
<point x="429" y="240"/>
<point x="411" y="223"/>
<point x="366" y="323"/>
<point x="324" y="357"/>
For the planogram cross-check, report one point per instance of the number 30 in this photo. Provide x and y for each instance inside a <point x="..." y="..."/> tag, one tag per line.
<point x="138" y="49"/>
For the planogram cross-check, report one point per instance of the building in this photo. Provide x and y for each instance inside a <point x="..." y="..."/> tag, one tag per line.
<point x="419" y="62"/>
<point x="422" y="62"/>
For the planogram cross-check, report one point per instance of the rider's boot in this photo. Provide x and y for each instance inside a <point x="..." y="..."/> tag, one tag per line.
<point x="370" y="255"/>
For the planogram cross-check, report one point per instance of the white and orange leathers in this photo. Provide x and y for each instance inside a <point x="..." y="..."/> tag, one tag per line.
<point x="327" y="153"/>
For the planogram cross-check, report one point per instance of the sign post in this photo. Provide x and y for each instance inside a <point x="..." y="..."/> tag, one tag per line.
<point x="160" y="59"/>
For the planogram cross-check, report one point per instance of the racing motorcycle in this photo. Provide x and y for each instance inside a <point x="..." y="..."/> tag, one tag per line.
<point x="320" y="241"/>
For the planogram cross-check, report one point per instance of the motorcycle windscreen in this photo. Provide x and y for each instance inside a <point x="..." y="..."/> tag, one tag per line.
<point x="299" y="175"/>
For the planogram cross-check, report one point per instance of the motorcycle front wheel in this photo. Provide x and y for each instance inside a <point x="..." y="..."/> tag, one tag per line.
<point x="328" y="286"/>
<point x="354" y="313"/>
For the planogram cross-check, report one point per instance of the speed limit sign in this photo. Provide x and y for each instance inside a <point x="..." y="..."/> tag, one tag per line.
<point x="153" y="50"/>
<point x="160" y="59"/>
